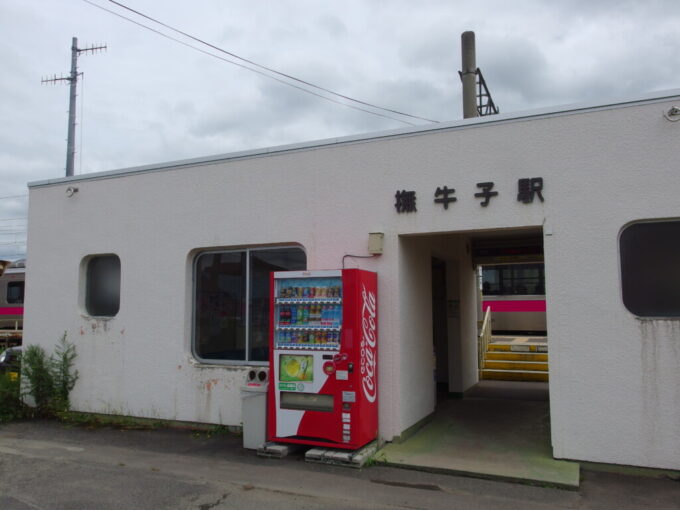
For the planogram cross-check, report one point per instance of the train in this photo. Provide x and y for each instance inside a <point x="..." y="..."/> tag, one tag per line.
<point x="516" y="295"/>
<point x="12" y="279"/>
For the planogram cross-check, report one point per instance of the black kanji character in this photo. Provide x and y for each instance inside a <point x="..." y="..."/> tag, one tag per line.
<point x="486" y="192"/>
<point x="527" y="188"/>
<point x="405" y="201"/>
<point x="446" y="199"/>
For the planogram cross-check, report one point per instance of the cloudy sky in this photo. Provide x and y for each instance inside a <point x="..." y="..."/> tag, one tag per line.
<point x="149" y="99"/>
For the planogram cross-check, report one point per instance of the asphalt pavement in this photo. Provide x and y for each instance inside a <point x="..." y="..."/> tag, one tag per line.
<point x="48" y="465"/>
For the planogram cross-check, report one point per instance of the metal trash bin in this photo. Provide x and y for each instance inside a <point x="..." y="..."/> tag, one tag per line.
<point x="254" y="408"/>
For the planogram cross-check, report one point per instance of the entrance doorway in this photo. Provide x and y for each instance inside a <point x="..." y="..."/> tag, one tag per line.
<point x="477" y="424"/>
<point x="469" y="275"/>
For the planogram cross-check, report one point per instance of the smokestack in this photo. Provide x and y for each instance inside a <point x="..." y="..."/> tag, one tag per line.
<point x="468" y="74"/>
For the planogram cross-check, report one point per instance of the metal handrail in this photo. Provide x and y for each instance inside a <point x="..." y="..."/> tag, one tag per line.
<point x="484" y="337"/>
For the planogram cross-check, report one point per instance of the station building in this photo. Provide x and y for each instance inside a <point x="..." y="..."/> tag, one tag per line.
<point x="115" y="259"/>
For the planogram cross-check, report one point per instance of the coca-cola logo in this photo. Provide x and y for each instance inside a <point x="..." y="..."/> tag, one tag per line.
<point x="369" y="362"/>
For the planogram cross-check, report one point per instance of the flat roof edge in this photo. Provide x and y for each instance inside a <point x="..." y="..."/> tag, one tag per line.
<point x="553" y="111"/>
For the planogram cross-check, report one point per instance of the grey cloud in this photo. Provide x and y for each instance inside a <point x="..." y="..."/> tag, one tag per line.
<point x="332" y="25"/>
<point x="439" y="52"/>
<point x="515" y="67"/>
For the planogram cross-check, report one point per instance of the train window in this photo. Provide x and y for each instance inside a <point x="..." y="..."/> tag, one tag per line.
<point x="102" y="295"/>
<point x="513" y="279"/>
<point x="15" y="292"/>
<point x="231" y="301"/>
<point x="650" y="273"/>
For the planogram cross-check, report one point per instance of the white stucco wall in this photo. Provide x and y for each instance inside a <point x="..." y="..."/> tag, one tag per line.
<point x="614" y="378"/>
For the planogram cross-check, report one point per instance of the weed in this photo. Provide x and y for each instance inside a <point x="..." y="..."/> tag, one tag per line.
<point x="49" y="380"/>
<point x="11" y="406"/>
<point x="62" y="371"/>
<point x="377" y="459"/>
<point x="40" y="383"/>
<point x="213" y="430"/>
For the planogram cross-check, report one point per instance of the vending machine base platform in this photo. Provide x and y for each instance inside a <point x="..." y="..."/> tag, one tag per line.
<point x="354" y="458"/>
<point x="277" y="450"/>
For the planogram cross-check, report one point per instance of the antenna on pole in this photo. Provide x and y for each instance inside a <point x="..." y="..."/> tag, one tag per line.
<point x="73" y="79"/>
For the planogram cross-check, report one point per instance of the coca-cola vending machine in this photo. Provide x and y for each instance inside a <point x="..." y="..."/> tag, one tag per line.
<point x="323" y="387"/>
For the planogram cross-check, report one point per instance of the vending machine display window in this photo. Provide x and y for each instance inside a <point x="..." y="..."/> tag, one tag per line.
<point x="308" y="313"/>
<point x="296" y="367"/>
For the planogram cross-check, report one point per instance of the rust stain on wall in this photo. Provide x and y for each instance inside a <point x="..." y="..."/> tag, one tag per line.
<point x="211" y="383"/>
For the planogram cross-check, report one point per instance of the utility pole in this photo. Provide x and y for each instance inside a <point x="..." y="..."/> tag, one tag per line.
<point x="73" y="79"/>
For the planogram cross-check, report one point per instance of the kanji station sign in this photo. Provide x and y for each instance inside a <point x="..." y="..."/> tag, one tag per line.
<point x="527" y="190"/>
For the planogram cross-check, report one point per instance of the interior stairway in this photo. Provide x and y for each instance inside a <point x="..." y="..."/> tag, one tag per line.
<point x="512" y="362"/>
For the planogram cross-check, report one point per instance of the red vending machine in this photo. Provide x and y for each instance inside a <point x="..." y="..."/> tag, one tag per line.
<point x="323" y="387"/>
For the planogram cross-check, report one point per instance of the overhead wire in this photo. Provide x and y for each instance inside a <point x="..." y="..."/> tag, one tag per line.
<point x="321" y="96"/>
<point x="290" y="77"/>
<point x="243" y="66"/>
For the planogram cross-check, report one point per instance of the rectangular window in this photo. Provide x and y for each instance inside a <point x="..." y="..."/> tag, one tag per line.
<point x="650" y="268"/>
<point x="102" y="290"/>
<point x="513" y="279"/>
<point x="15" y="292"/>
<point x="231" y="301"/>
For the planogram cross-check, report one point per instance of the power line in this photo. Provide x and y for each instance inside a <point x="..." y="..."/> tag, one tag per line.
<point x="257" y="71"/>
<point x="265" y="67"/>
<point x="245" y="67"/>
<point x="14" y="196"/>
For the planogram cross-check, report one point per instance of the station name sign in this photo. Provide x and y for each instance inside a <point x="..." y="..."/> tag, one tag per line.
<point x="527" y="190"/>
